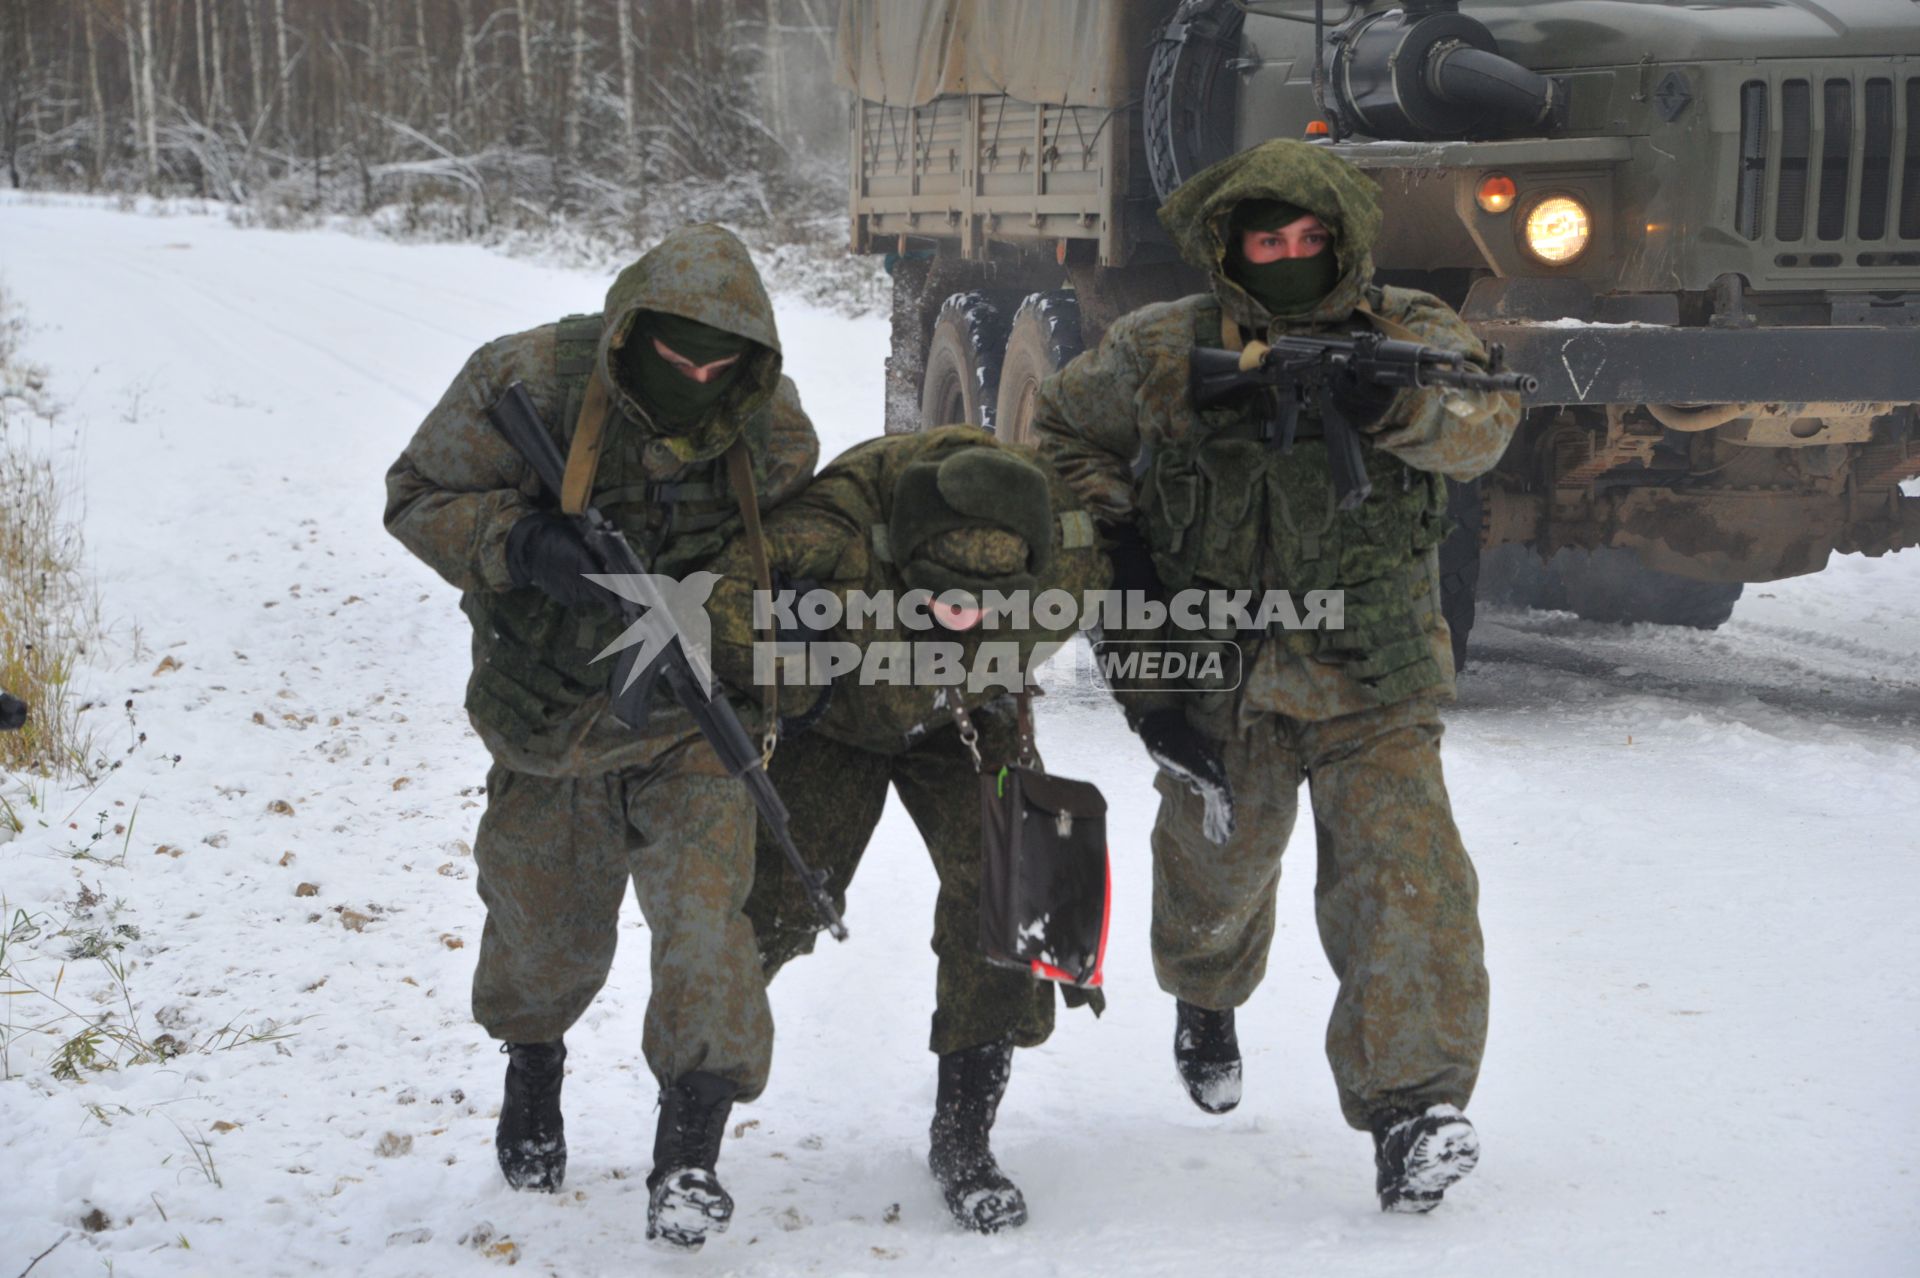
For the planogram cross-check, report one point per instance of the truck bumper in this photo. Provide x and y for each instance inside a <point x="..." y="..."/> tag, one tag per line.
<point x="1649" y="364"/>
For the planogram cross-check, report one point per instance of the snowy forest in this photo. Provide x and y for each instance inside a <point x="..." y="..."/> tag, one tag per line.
<point x="464" y="116"/>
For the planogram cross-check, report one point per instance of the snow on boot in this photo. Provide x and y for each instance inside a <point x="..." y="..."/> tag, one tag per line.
<point x="978" y="1193"/>
<point x="531" y="1139"/>
<point x="1418" y="1155"/>
<point x="1207" y="1052"/>
<point x="685" y="1202"/>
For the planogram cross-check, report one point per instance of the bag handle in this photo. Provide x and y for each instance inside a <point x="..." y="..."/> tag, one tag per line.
<point x="1028" y="752"/>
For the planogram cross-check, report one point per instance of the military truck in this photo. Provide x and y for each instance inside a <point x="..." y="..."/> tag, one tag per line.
<point x="1698" y="225"/>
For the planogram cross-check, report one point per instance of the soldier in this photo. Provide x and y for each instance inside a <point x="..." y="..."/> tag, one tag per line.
<point x="1284" y="232"/>
<point x="679" y="377"/>
<point x="949" y="510"/>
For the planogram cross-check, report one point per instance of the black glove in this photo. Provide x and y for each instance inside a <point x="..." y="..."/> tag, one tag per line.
<point x="1132" y="561"/>
<point x="13" y="712"/>
<point x="1361" y="402"/>
<point x="545" y="552"/>
<point x="1192" y="760"/>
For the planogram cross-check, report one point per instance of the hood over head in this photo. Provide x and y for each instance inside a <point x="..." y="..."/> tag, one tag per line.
<point x="701" y="273"/>
<point x="997" y="503"/>
<point x="1299" y="173"/>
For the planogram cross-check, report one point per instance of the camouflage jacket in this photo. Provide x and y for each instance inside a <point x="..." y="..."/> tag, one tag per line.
<point x="1128" y="399"/>
<point x="537" y="696"/>
<point x="827" y="536"/>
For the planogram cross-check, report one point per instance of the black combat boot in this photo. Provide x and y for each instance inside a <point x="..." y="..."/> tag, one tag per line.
<point x="1417" y="1155"/>
<point x="531" y="1139"/>
<point x="685" y="1201"/>
<point x="1207" y="1052"/>
<point x="978" y="1193"/>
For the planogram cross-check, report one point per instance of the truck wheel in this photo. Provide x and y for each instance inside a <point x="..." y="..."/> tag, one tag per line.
<point x="963" y="363"/>
<point x="1460" y="565"/>
<point x="1044" y="337"/>
<point x="1190" y="91"/>
<point x="907" y="356"/>
<point x="1611" y="584"/>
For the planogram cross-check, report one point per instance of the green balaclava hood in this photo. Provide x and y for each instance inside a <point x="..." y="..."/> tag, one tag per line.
<point x="978" y="488"/>
<point x="1299" y="173"/>
<point x="679" y="402"/>
<point x="703" y="273"/>
<point x="1287" y="285"/>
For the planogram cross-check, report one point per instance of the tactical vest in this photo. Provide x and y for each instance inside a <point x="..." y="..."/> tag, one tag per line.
<point x="534" y="661"/>
<point x="1224" y="508"/>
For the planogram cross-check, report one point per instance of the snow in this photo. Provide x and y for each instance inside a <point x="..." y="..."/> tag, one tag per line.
<point x="1696" y="851"/>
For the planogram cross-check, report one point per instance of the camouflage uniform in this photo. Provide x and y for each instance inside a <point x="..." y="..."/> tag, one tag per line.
<point x="1352" y="711"/>
<point x="834" y="777"/>
<point x="578" y="803"/>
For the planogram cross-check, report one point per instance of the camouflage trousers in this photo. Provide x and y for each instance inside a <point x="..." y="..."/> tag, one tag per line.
<point x="554" y="857"/>
<point x="836" y="794"/>
<point x="1395" y="896"/>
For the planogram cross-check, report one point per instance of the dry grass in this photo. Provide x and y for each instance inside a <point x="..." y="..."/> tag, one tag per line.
<point x="49" y="616"/>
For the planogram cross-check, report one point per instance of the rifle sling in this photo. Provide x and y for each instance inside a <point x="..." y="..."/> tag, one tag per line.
<point x="589" y="437"/>
<point x="740" y="476"/>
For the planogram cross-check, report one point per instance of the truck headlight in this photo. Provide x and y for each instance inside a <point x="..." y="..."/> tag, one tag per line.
<point x="1557" y="229"/>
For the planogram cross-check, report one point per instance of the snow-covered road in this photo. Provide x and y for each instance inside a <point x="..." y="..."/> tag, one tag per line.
<point x="1698" y="856"/>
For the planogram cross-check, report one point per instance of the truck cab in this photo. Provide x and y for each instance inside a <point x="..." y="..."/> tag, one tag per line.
<point x="1698" y="226"/>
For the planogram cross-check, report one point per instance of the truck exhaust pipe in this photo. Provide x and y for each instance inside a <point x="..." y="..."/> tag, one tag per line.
<point x="1428" y="72"/>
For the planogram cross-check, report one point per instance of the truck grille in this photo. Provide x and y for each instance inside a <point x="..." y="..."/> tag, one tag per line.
<point x="1826" y="161"/>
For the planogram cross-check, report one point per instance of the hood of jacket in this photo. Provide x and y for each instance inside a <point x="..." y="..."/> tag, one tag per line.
<point x="1301" y="173"/>
<point x="703" y="273"/>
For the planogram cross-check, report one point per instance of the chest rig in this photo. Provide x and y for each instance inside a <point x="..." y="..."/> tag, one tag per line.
<point x="535" y="661"/>
<point x="1226" y="507"/>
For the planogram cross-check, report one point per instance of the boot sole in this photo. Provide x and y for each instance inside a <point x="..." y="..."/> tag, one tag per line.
<point x="988" y="1211"/>
<point x="688" y="1217"/>
<point x="1438" y="1160"/>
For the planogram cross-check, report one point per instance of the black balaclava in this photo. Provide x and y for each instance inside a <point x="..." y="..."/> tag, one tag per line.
<point x="679" y="402"/>
<point x="1291" y="284"/>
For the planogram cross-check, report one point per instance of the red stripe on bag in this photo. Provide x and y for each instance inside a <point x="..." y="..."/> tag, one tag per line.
<point x="1047" y="971"/>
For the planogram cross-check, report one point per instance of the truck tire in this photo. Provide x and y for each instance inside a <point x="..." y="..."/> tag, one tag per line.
<point x="1460" y="565"/>
<point x="962" y="379"/>
<point x="1610" y="584"/>
<point x="1043" y="338"/>
<point x="907" y="350"/>
<point x="1190" y="91"/>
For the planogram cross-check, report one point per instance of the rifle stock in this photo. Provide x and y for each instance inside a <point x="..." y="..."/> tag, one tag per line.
<point x="686" y="674"/>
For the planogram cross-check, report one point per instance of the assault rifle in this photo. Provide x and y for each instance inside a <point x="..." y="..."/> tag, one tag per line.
<point x="13" y="712"/>
<point x="515" y="417"/>
<point x="1292" y="373"/>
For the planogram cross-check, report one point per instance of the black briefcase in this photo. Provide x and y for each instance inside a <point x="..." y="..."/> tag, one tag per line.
<point x="1044" y="884"/>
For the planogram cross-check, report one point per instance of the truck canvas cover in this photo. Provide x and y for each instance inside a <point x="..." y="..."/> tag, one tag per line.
<point x="1068" y="52"/>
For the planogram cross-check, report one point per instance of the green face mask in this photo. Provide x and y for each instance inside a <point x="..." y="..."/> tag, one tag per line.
<point x="676" y="400"/>
<point x="1286" y="286"/>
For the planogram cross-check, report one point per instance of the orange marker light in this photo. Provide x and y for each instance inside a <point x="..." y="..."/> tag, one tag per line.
<point x="1495" y="193"/>
<point x="1317" y="129"/>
